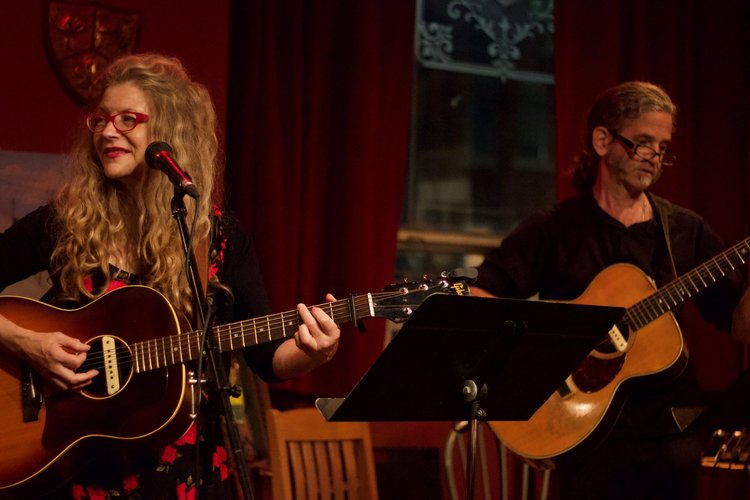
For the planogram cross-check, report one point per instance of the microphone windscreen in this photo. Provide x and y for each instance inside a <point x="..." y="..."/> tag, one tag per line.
<point x="153" y="150"/>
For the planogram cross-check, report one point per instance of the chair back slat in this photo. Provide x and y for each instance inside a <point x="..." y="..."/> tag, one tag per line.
<point x="350" y="467"/>
<point x="307" y="473"/>
<point x="322" y="469"/>
<point x="296" y="462"/>
<point x="337" y="470"/>
<point x="315" y="459"/>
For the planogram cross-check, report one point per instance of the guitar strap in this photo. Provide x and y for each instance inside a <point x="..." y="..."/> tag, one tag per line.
<point x="201" y="260"/>
<point x="664" y="208"/>
<point x="683" y="416"/>
<point x="200" y="253"/>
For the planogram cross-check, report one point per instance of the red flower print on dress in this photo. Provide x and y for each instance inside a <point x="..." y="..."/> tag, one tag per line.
<point x="96" y="493"/>
<point x="77" y="492"/>
<point x="189" y="437"/>
<point x="220" y="461"/>
<point x="88" y="284"/>
<point x="115" y="284"/>
<point x="185" y="493"/>
<point x="130" y="483"/>
<point x="212" y="270"/>
<point x="168" y="454"/>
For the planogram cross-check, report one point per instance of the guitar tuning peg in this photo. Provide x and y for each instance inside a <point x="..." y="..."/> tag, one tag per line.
<point x="468" y="274"/>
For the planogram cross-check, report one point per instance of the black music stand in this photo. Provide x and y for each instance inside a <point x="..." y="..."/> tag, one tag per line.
<point x="472" y="358"/>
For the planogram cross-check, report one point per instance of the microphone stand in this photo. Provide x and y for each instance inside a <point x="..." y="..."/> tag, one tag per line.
<point x="205" y="307"/>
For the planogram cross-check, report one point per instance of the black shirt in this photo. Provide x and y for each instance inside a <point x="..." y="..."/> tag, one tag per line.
<point x="558" y="252"/>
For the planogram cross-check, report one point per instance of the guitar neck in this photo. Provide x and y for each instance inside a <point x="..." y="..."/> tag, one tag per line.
<point x="675" y="293"/>
<point x="161" y="352"/>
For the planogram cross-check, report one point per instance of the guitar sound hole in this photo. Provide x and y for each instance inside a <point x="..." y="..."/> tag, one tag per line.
<point x="111" y="357"/>
<point x="606" y="347"/>
<point x="595" y="373"/>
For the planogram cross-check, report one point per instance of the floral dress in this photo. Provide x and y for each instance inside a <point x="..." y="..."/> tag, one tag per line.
<point x="168" y="472"/>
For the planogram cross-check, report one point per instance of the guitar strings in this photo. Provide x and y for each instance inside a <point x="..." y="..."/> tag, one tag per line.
<point x="650" y="308"/>
<point x="228" y="332"/>
<point x="657" y="304"/>
<point x="160" y="355"/>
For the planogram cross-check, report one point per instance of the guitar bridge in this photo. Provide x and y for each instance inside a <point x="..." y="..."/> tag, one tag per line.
<point x="31" y="394"/>
<point x="618" y="339"/>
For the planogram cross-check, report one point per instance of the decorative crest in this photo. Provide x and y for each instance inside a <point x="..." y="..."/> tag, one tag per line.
<point x="82" y="39"/>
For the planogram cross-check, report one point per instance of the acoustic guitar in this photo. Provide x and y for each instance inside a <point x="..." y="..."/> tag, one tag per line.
<point x="145" y="392"/>
<point x="645" y="346"/>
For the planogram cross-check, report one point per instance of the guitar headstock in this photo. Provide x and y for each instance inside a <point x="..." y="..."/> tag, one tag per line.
<point x="397" y="302"/>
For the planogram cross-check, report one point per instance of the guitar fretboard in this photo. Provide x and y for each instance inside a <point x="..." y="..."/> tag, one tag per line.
<point x="675" y="293"/>
<point x="166" y="351"/>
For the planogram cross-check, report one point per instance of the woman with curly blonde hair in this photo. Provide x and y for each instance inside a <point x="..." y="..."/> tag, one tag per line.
<point x="111" y="225"/>
<point x="102" y="217"/>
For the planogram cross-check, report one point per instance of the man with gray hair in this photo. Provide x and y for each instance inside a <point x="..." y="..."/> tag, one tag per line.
<point x="619" y="425"/>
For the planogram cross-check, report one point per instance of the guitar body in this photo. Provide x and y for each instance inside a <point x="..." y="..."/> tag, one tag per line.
<point x="143" y="393"/>
<point x="580" y="415"/>
<point x="151" y="406"/>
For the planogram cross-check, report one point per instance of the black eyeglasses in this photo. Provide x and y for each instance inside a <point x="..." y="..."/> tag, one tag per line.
<point x="123" y="122"/>
<point x="646" y="153"/>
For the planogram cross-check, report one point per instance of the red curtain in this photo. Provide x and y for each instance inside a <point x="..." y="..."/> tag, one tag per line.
<point x="699" y="51"/>
<point x="317" y="149"/>
<point x="317" y="137"/>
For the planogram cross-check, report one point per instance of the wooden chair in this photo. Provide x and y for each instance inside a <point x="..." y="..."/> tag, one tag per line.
<point x="312" y="458"/>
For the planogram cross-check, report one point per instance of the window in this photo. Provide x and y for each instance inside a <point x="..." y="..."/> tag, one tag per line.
<point x="482" y="140"/>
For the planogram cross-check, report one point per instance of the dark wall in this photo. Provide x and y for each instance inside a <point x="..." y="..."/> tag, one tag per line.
<point x="38" y="114"/>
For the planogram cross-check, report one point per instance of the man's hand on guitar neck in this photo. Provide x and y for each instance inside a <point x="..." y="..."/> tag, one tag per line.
<point x="54" y="355"/>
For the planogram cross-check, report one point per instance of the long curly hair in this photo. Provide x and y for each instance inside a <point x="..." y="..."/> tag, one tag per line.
<point x="613" y="109"/>
<point x="97" y="215"/>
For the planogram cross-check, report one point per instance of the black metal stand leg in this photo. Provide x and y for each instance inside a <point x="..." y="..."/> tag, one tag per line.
<point x="218" y="379"/>
<point x="472" y="395"/>
<point x="471" y="459"/>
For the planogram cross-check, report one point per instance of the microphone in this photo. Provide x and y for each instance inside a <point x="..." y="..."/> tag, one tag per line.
<point x="159" y="157"/>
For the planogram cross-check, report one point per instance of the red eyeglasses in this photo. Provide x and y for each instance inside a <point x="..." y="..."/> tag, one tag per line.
<point x="123" y="122"/>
